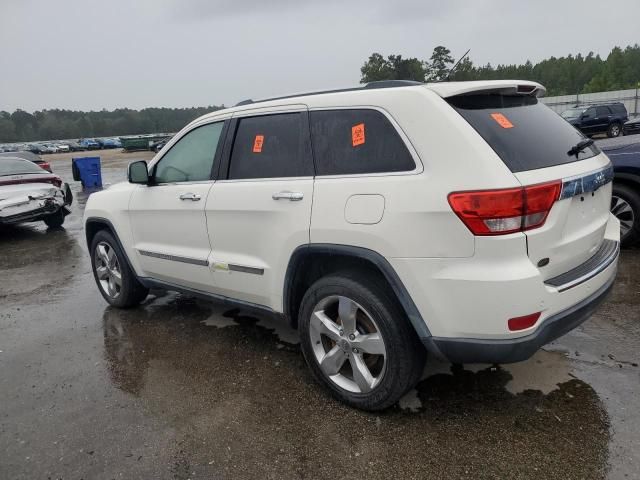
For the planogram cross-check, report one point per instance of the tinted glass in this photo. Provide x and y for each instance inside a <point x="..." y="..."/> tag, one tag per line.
<point x="355" y="142"/>
<point x="271" y="146"/>
<point x="16" y="166"/>
<point x="618" y="108"/>
<point x="191" y="158"/>
<point x="590" y="112"/>
<point x="602" y="111"/>
<point x="525" y="133"/>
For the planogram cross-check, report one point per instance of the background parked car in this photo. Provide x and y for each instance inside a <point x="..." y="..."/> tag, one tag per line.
<point x="35" y="148"/>
<point x="29" y="194"/>
<point x="110" y="143"/>
<point x="75" y="146"/>
<point x="62" y="147"/>
<point x="593" y="119"/>
<point x="632" y="126"/>
<point x="49" y="148"/>
<point x="32" y="157"/>
<point x="89" y="144"/>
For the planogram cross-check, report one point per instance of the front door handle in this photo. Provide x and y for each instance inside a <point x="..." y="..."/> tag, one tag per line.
<point x="291" y="196"/>
<point x="194" y="197"/>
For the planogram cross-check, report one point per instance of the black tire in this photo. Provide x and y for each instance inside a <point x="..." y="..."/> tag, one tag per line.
<point x="132" y="292"/>
<point x="55" y="220"/>
<point x="614" y="130"/>
<point x="405" y="355"/>
<point x="631" y="197"/>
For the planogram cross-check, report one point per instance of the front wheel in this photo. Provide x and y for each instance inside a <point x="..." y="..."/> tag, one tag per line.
<point x="116" y="281"/>
<point x="358" y="343"/>
<point x="54" y="220"/>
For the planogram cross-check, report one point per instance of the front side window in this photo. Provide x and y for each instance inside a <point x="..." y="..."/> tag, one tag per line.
<point x="357" y="141"/>
<point x="271" y="146"/>
<point x="191" y="158"/>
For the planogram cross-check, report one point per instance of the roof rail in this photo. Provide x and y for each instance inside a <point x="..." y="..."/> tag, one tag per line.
<point x="391" y="84"/>
<point x="368" y="86"/>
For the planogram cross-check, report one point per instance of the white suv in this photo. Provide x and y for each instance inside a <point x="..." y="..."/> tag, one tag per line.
<point x="466" y="220"/>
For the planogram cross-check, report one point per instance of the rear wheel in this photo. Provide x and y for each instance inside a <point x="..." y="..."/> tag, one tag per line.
<point x="358" y="343"/>
<point x="614" y="130"/>
<point x="625" y="205"/>
<point x="116" y="281"/>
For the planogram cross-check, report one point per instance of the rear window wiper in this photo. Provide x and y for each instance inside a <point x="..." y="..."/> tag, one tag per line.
<point x="580" y="146"/>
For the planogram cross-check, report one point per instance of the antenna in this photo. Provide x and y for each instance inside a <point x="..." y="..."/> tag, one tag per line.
<point x="453" y="69"/>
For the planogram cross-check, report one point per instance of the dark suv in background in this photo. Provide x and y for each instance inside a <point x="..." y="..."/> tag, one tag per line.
<point x="602" y="118"/>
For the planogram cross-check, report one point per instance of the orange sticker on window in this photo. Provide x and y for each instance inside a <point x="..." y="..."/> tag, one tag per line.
<point x="502" y="120"/>
<point x="257" y="143"/>
<point x="357" y="134"/>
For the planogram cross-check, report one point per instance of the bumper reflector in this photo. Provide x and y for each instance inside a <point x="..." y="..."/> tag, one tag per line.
<point x="521" y="323"/>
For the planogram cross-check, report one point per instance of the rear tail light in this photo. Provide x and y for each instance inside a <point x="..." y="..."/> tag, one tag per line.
<point x="509" y="210"/>
<point x="57" y="181"/>
<point x="45" y="165"/>
<point x="520" y="323"/>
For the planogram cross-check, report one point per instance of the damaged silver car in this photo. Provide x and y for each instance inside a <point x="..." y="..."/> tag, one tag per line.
<point x="29" y="193"/>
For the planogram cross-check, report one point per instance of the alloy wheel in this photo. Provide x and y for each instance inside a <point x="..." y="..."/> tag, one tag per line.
<point x="623" y="212"/>
<point x="347" y="344"/>
<point x="108" y="269"/>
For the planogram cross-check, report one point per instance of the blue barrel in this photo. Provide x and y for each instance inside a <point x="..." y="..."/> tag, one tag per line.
<point x="87" y="170"/>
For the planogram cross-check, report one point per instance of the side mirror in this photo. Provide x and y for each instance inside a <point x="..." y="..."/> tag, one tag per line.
<point x="137" y="172"/>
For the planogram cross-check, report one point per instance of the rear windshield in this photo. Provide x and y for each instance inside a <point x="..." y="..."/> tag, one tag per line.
<point x="525" y="133"/>
<point x="15" y="166"/>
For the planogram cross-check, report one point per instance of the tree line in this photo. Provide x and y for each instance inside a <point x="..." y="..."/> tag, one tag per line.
<point x="561" y="76"/>
<point x="21" y="126"/>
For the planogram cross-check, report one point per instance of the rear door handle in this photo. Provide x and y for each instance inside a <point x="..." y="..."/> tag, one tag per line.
<point x="194" y="197"/>
<point x="291" y="196"/>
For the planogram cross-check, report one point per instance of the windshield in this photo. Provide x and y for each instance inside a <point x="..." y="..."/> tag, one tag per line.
<point x="15" y="166"/>
<point x="525" y="133"/>
<point x="572" y="113"/>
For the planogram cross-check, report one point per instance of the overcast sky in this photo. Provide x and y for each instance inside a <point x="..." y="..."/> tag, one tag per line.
<point x="87" y="54"/>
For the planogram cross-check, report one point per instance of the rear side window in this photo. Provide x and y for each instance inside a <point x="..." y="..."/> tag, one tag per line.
<point x="271" y="146"/>
<point x="603" y="111"/>
<point x="618" y="108"/>
<point x="357" y="141"/>
<point x="525" y="133"/>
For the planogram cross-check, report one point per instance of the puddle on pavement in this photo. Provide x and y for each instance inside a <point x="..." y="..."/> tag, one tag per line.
<point x="236" y="390"/>
<point x="37" y="259"/>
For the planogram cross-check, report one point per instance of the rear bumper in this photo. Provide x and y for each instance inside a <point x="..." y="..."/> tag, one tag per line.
<point x="462" y="350"/>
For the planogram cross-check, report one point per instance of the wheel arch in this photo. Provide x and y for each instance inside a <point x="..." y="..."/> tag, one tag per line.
<point x="93" y="225"/>
<point x="310" y="262"/>
<point x="628" y="179"/>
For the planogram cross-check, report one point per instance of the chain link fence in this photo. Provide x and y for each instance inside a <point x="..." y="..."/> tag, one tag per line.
<point x="628" y="97"/>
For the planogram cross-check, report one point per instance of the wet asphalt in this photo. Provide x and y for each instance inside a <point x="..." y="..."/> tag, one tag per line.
<point x="180" y="388"/>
